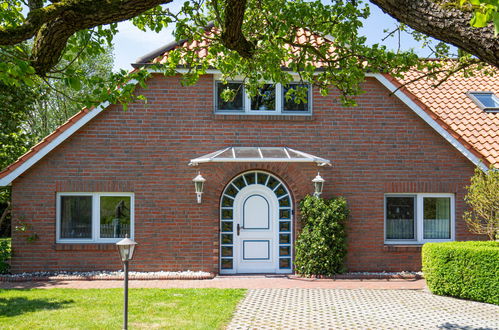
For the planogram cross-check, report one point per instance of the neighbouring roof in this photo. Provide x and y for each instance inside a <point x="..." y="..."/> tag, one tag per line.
<point x="447" y="109"/>
<point x="259" y="154"/>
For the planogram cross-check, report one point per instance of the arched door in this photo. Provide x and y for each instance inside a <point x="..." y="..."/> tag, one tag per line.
<point x="256" y="222"/>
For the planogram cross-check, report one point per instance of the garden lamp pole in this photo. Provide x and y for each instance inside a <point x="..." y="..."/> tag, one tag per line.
<point x="126" y="248"/>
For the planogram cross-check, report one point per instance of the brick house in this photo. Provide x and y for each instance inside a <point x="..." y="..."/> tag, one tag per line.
<point x="401" y="160"/>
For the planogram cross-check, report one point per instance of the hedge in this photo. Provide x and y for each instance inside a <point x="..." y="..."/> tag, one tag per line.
<point x="321" y="244"/>
<point x="468" y="270"/>
<point x="5" y="254"/>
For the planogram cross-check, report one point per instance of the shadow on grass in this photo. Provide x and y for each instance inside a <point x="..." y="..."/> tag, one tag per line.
<point x="20" y="305"/>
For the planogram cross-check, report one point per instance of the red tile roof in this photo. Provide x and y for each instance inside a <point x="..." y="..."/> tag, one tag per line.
<point x="450" y="103"/>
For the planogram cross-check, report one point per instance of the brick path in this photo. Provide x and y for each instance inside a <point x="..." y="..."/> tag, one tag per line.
<point x="245" y="282"/>
<point x="360" y="309"/>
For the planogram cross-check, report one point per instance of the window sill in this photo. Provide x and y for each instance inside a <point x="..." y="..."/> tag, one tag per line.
<point x="402" y="247"/>
<point x="252" y="117"/>
<point x="84" y="246"/>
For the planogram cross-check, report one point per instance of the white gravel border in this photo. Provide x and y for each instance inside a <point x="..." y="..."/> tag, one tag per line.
<point x="106" y="275"/>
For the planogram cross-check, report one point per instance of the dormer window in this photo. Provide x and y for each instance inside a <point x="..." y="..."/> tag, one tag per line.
<point x="271" y="100"/>
<point x="486" y="101"/>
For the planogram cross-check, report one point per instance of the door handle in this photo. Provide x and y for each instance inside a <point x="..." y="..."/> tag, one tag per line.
<point x="238" y="229"/>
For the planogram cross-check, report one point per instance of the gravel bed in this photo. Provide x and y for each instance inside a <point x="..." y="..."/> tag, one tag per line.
<point x="374" y="275"/>
<point x="106" y="275"/>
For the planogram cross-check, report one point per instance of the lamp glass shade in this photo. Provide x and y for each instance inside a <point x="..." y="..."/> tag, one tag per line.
<point x="318" y="182"/>
<point x="199" y="183"/>
<point x="126" y="247"/>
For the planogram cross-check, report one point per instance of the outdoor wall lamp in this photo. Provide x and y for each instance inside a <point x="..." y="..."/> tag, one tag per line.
<point x="318" y="182"/>
<point x="126" y="248"/>
<point x="199" y="185"/>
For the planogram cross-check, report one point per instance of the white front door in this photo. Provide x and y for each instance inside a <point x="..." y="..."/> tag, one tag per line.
<point x="256" y="215"/>
<point x="256" y="219"/>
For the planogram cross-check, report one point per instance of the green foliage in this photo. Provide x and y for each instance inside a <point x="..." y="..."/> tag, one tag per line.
<point x="483" y="199"/>
<point x="15" y="103"/>
<point x="321" y="245"/>
<point x="59" y="99"/>
<point x="468" y="270"/>
<point x="274" y="25"/>
<point x="28" y="113"/>
<point x="5" y="254"/>
<point x="484" y="12"/>
<point x="269" y="25"/>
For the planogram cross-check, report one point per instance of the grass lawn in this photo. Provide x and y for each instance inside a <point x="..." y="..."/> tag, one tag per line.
<point x="103" y="308"/>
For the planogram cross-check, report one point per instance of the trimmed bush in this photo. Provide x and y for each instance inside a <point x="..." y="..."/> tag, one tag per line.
<point x="321" y="245"/>
<point x="468" y="270"/>
<point x="5" y="253"/>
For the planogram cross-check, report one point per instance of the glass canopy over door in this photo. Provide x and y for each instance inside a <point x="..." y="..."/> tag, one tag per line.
<point x="259" y="154"/>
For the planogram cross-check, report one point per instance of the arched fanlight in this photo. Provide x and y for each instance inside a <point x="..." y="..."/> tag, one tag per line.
<point x="199" y="185"/>
<point x="318" y="182"/>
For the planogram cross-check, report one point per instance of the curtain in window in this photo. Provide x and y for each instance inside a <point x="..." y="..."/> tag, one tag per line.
<point x="400" y="218"/>
<point x="436" y="222"/>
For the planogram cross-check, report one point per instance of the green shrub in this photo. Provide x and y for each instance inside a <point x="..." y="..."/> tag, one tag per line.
<point x="5" y="253"/>
<point x="321" y="245"/>
<point x="468" y="270"/>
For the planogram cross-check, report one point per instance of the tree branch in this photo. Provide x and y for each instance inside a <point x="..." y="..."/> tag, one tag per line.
<point x="446" y="24"/>
<point x="232" y="34"/>
<point x="54" y="24"/>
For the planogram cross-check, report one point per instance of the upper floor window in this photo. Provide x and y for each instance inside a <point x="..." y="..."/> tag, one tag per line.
<point x="487" y="101"/>
<point x="271" y="99"/>
<point x="419" y="218"/>
<point x="94" y="217"/>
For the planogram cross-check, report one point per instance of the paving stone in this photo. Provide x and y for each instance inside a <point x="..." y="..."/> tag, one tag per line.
<point x="359" y="309"/>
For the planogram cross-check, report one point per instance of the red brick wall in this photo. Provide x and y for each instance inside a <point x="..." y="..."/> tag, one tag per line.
<point x="379" y="147"/>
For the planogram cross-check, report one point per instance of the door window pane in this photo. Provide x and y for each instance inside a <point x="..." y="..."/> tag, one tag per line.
<point x="290" y="103"/>
<point x="436" y="221"/>
<point x="236" y="104"/>
<point x="76" y="217"/>
<point x="265" y="100"/>
<point x="114" y="216"/>
<point x="400" y="220"/>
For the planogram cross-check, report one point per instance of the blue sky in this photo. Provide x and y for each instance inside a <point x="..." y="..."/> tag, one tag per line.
<point x="131" y="43"/>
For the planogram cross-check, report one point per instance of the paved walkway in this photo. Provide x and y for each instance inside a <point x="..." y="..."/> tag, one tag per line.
<point x="244" y="282"/>
<point x="359" y="309"/>
<point x="280" y="302"/>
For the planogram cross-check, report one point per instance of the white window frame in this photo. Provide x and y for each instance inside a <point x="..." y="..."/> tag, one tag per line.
<point x="95" y="217"/>
<point x="482" y="106"/>
<point x="279" y="102"/>
<point x="419" y="214"/>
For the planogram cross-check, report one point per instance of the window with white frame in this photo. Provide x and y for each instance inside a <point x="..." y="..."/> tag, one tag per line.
<point x="94" y="217"/>
<point x="486" y="101"/>
<point x="271" y="99"/>
<point x="419" y="218"/>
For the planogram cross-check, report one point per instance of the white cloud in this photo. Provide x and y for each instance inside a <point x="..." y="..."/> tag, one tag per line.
<point x="131" y="43"/>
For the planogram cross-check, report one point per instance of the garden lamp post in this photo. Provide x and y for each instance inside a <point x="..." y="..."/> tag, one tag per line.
<point x="126" y="248"/>
<point x="318" y="182"/>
